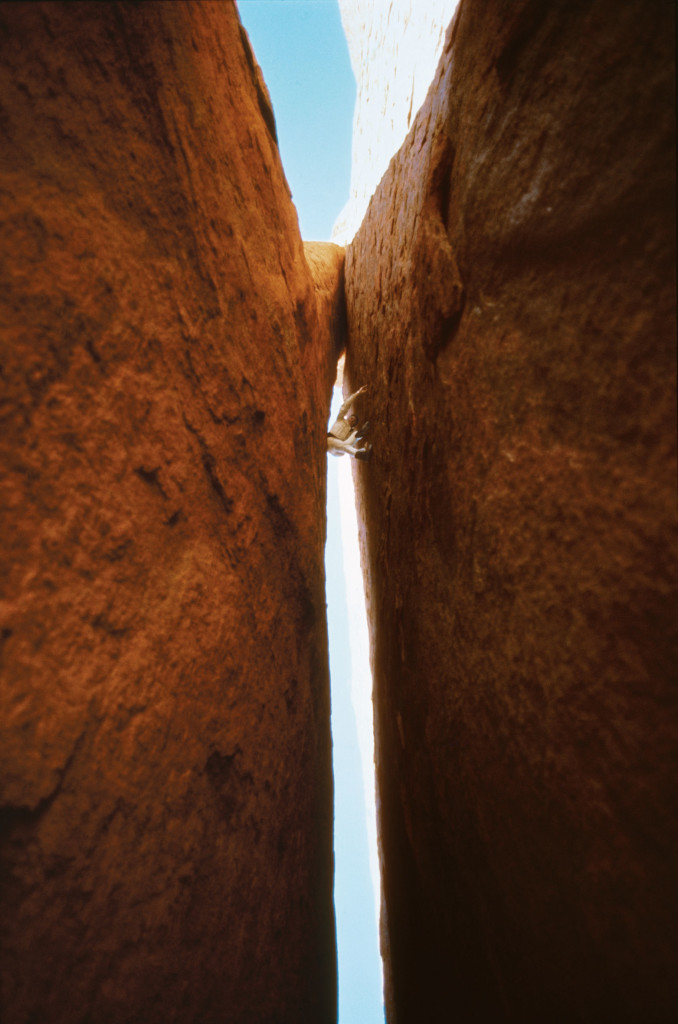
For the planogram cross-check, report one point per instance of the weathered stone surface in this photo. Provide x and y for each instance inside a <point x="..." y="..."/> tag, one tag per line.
<point x="511" y="305"/>
<point x="326" y="263"/>
<point x="394" y="46"/>
<point x="164" y="717"/>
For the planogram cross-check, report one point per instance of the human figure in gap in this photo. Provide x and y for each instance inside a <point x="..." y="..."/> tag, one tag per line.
<point x="345" y="434"/>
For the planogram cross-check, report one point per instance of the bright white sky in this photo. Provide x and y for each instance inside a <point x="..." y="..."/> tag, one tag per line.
<point x="301" y="49"/>
<point x="356" y="887"/>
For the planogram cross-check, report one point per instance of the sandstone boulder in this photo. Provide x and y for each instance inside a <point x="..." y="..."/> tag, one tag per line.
<point x="165" y="764"/>
<point x="326" y="263"/>
<point x="511" y="305"/>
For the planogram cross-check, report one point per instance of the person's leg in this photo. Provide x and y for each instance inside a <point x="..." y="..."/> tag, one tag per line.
<point x="335" y="446"/>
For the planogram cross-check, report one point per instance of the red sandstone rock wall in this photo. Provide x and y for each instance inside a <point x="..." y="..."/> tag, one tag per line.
<point x="164" y="719"/>
<point x="511" y="305"/>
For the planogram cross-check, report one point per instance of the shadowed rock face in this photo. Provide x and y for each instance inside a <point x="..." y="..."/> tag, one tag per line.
<point x="164" y="722"/>
<point x="511" y="306"/>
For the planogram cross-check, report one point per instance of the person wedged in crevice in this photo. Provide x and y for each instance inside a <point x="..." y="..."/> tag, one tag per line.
<point x="346" y="436"/>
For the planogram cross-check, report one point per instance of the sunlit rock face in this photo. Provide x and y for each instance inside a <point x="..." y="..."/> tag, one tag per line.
<point x="164" y="722"/>
<point x="511" y="307"/>
<point x="394" y="46"/>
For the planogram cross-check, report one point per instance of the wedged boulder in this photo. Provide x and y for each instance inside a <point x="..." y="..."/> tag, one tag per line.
<point x="511" y="306"/>
<point x="326" y="263"/>
<point x="164" y="715"/>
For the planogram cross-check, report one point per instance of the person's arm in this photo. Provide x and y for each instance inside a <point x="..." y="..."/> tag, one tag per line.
<point x="351" y="399"/>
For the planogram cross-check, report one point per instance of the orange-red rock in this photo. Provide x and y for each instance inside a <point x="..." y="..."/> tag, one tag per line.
<point x="511" y="306"/>
<point x="164" y="722"/>
<point x="326" y="263"/>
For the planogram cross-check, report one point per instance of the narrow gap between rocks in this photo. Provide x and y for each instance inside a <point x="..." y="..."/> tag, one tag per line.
<point x="357" y="885"/>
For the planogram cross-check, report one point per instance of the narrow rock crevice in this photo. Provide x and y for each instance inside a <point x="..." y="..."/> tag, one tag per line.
<point x="169" y="351"/>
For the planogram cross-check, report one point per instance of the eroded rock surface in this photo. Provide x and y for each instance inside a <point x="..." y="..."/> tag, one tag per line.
<point x="394" y="46"/>
<point x="164" y="722"/>
<point x="511" y="305"/>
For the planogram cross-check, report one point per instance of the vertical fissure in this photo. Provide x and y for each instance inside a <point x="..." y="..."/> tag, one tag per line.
<point x="357" y="885"/>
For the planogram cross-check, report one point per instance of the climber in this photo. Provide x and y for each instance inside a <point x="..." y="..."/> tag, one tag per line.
<point x="345" y="432"/>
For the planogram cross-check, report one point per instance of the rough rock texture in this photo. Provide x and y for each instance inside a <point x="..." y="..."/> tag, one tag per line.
<point x="394" y="46"/>
<point x="326" y="263"/>
<point x="511" y="305"/>
<point x="164" y="718"/>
